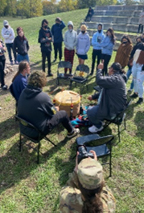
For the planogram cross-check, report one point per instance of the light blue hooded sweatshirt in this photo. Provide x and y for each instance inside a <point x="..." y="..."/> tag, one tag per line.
<point x="83" y="43"/>
<point x="107" y="46"/>
<point x="97" y="40"/>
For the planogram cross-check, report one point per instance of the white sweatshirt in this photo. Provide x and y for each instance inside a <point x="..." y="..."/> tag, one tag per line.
<point x="8" y="34"/>
<point x="70" y="38"/>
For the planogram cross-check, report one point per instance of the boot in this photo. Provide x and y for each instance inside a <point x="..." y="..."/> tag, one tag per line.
<point x="140" y="100"/>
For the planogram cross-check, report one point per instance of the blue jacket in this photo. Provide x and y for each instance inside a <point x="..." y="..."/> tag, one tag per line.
<point x="19" y="83"/>
<point x="57" y="32"/>
<point x="97" y="39"/>
<point x="107" y="46"/>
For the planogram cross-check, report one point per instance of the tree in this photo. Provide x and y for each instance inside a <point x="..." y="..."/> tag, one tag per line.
<point x="49" y="7"/>
<point x="11" y="8"/>
<point x="3" y="5"/>
<point x="86" y="3"/>
<point x="67" y="5"/>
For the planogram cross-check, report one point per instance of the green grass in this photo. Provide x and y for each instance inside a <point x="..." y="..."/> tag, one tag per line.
<point x="27" y="187"/>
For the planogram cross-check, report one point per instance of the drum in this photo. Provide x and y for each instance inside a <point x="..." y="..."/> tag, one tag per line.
<point x="69" y="101"/>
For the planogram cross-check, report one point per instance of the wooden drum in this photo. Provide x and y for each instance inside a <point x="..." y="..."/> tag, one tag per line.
<point x="69" y="101"/>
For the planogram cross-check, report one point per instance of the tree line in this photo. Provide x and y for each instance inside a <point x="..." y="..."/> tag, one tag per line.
<point x="34" y="8"/>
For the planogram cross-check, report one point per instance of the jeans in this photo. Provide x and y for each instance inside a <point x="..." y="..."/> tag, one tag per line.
<point x="48" y="56"/>
<point x="22" y="58"/>
<point x="59" y="117"/>
<point x="129" y="72"/>
<point x="106" y="59"/>
<point x="2" y="67"/>
<point x="140" y="28"/>
<point x="138" y="77"/>
<point x="92" y="115"/>
<point x="9" y="48"/>
<point x="96" y="53"/>
<point x="58" y="48"/>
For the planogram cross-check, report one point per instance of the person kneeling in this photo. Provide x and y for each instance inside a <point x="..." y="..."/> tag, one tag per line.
<point x="112" y="98"/>
<point x="36" y="107"/>
<point x="86" y="191"/>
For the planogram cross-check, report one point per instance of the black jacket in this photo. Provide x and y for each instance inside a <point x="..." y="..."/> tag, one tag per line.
<point x="43" y="39"/>
<point x="21" y="46"/>
<point x="35" y="107"/>
<point x="113" y="99"/>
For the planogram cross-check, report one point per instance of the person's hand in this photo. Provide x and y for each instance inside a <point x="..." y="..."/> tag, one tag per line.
<point x="57" y="108"/>
<point x="90" y="98"/>
<point x="94" y="154"/>
<point x="100" y="66"/>
<point x="76" y="165"/>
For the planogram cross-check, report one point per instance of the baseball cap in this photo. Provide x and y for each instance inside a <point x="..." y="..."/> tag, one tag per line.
<point x="90" y="173"/>
<point x="5" y="23"/>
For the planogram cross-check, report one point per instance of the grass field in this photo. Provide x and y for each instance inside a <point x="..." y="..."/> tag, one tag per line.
<point x="26" y="187"/>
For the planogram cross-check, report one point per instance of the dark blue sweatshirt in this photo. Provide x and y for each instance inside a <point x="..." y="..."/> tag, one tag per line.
<point x="57" y="32"/>
<point x="19" y="83"/>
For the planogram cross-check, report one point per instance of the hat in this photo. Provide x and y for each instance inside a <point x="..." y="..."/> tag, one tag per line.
<point x="83" y="27"/>
<point x="90" y="173"/>
<point x="5" y="23"/>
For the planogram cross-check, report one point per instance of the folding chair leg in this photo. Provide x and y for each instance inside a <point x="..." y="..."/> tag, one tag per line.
<point x="38" y="152"/>
<point x="70" y="84"/>
<point x="50" y="141"/>
<point x="125" y="124"/>
<point x="119" y="133"/>
<point x="110" y="165"/>
<point x="20" y="143"/>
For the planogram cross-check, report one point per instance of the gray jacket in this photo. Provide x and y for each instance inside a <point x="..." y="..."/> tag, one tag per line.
<point x="70" y="38"/>
<point x="113" y="99"/>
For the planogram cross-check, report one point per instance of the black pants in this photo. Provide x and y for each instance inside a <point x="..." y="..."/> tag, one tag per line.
<point x="88" y="16"/>
<point x="59" y="117"/>
<point x="106" y="59"/>
<point x="2" y="67"/>
<point x="96" y="53"/>
<point x="48" y="56"/>
<point x="9" y="48"/>
<point x="140" y="28"/>
<point x="58" y="48"/>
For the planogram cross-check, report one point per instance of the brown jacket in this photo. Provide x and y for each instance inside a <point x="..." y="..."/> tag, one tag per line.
<point x="123" y="54"/>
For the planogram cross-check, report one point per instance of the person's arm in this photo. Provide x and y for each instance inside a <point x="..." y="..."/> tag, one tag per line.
<point x="15" y="46"/>
<point x="52" y="30"/>
<point x="48" y="107"/>
<point x="12" y="36"/>
<point x="133" y="51"/>
<point x="75" y="41"/>
<point x="87" y="45"/>
<point x="28" y="45"/>
<point x="94" y="40"/>
<point x="65" y="39"/>
<point x="62" y="25"/>
<point x="3" y="35"/>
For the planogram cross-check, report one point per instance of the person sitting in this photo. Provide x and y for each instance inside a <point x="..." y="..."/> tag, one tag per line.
<point x="89" y="14"/>
<point x="19" y="81"/>
<point x="112" y="98"/>
<point x="36" y="107"/>
<point x="86" y="191"/>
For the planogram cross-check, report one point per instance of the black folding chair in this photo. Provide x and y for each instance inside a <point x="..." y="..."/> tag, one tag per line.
<point x="118" y="120"/>
<point x="80" y="79"/>
<point x="63" y="64"/>
<point x="101" y="145"/>
<point x="38" y="136"/>
<point x="12" y="93"/>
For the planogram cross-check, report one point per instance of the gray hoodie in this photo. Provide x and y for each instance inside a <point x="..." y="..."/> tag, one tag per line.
<point x="83" y="43"/>
<point x="70" y="38"/>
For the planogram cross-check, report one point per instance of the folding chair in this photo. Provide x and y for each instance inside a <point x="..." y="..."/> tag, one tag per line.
<point x="12" y="93"/>
<point x="101" y="145"/>
<point x="63" y="64"/>
<point x="118" y="119"/>
<point x="79" y="79"/>
<point x="24" y="126"/>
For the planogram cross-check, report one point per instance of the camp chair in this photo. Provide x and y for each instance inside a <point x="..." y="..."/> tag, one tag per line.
<point x="24" y="131"/>
<point x="80" y="79"/>
<point x="63" y="64"/>
<point x="12" y="93"/>
<point x="118" y="120"/>
<point x="101" y="145"/>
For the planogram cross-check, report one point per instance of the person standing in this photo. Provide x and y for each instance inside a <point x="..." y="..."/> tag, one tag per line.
<point x="45" y="39"/>
<point x="9" y="35"/>
<point x="141" y="22"/>
<point x="124" y="51"/>
<point x="57" y="37"/>
<point x="21" y="46"/>
<point x="2" y="65"/>
<point x="97" y="39"/>
<point x="107" y="48"/>
<point x="70" y="41"/>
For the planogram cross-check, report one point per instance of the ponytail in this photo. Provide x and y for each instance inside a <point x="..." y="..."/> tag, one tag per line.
<point x="23" y="65"/>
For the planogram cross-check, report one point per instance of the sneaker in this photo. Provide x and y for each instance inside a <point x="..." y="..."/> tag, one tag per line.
<point x="11" y="63"/>
<point x="49" y="75"/>
<point x="94" y="129"/>
<point x="140" y="100"/>
<point x="16" y="62"/>
<point x="74" y="133"/>
<point x="134" y="95"/>
<point x="4" y="87"/>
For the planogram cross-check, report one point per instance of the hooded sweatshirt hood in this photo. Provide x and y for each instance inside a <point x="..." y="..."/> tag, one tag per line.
<point x="70" y="23"/>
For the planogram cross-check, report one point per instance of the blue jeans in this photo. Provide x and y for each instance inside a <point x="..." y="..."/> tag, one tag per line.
<point x="92" y="114"/>
<point x="22" y="58"/>
<point x="129" y="72"/>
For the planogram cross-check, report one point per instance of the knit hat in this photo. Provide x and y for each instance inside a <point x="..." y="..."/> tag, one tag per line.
<point x="5" y="23"/>
<point x="90" y="173"/>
